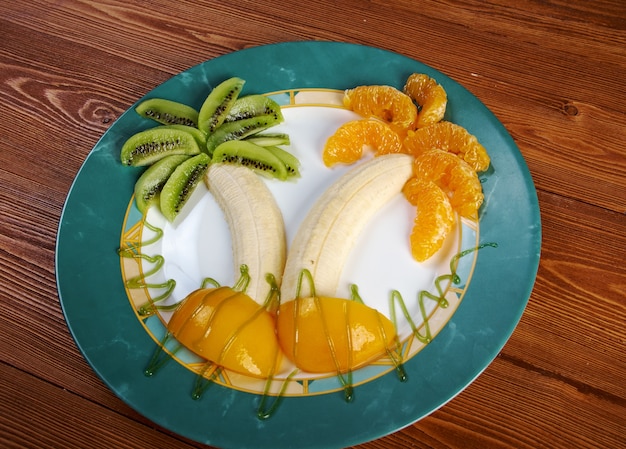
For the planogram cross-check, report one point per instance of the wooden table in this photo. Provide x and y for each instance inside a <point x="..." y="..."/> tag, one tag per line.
<point x="552" y="72"/>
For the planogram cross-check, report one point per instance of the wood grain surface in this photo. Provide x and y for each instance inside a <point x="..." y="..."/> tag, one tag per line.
<point x="551" y="71"/>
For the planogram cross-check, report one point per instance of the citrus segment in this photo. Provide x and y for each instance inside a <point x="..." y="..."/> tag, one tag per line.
<point x="228" y="328"/>
<point x="323" y="334"/>
<point x="347" y="143"/>
<point x="429" y="95"/>
<point x="454" y="176"/>
<point x="450" y="137"/>
<point x="384" y="102"/>
<point x="434" y="217"/>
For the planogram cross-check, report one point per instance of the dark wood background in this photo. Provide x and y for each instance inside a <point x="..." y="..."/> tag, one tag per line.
<point x="552" y="71"/>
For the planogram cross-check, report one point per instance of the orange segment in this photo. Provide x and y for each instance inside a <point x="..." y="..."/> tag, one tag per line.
<point x="431" y="97"/>
<point x="450" y="137"/>
<point x="228" y="328"/>
<point x="434" y="218"/>
<point x="347" y="143"/>
<point x="324" y="334"/>
<point x="454" y="176"/>
<point x="384" y="102"/>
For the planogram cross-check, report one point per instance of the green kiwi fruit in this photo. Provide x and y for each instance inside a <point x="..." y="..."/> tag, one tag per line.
<point x="195" y="132"/>
<point x="149" y="185"/>
<point x="240" y="129"/>
<point x="168" y="112"/>
<point x="147" y="147"/>
<point x="253" y="106"/>
<point x="181" y="184"/>
<point x="218" y="103"/>
<point x="267" y="139"/>
<point x="252" y="156"/>
<point x="292" y="164"/>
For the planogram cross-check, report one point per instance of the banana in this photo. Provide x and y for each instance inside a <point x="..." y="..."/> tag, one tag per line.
<point x="330" y="230"/>
<point x="255" y="222"/>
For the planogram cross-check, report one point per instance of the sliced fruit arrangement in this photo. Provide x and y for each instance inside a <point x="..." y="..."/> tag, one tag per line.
<point x="227" y="129"/>
<point x="447" y="156"/>
<point x="431" y="162"/>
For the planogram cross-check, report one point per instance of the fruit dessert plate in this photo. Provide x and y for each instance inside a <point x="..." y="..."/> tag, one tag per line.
<point x="452" y="312"/>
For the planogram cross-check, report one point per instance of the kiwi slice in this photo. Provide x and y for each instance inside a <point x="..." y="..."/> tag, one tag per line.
<point x="252" y="156"/>
<point x="181" y="184"/>
<point x="195" y="132"/>
<point x="292" y="164"/>
<point x="267" y="139"/>
<point x="253" y="106"/>
<point x="149" y="185"/>
<point x="168" y="112"/>
<point x="147" y="147"/>
<point x="240" y="129"/>
<point x="218" y="103"/>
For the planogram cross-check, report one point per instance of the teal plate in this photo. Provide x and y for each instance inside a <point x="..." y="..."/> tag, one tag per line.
<point x="116" y="345"/>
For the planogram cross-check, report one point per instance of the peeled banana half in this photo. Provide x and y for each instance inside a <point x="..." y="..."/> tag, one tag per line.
<point x="255" y="222"/>
<point x="330" y="230"/>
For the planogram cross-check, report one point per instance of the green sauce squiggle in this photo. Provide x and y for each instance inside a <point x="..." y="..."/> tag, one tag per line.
<point x="264" y="412"/>
<point x="202" y="383"/>
<point x="160" y="357"/>
<point x="134" y="251"/>
<point x="452" y="277"/>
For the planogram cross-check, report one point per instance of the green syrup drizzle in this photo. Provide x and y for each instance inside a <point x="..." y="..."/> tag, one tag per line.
<point x="160" y="358"/>
<point x="439" y="298"/>
<point x="203" y="382"/>
<point x="139" y="281"/>
<point x="271" y="304"/>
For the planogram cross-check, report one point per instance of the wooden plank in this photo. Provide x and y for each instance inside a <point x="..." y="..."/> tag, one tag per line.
<point x="45" y="415"/>
<point x="573" y="325"/>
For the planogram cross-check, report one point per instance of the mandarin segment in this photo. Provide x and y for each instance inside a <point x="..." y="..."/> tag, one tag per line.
<point x="455" y="177"/>
<point x="324" y="334"/>
<point x="346" y="145"/>
<point x="383" y="102"/>
<point x="434" y="218"/>
<point x="448" y="136"/>
<point x="429" y="95"/>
